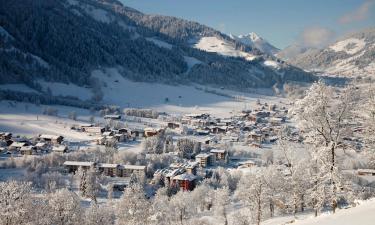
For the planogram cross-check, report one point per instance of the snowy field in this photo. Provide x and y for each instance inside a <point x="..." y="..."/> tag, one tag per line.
<point x="28" y="119"/>
<point x="181" y="99"/>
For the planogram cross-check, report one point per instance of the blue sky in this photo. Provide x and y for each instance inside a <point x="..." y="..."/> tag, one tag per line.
<point x="282" y="22"/>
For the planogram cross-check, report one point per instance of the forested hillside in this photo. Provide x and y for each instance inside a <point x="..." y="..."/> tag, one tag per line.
<point x="66" y="40"/>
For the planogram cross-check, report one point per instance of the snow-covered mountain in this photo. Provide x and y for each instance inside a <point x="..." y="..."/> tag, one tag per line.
<point x="350" y="56"/>
<point x="255" y="41"/>
<point x="64" y="41"/>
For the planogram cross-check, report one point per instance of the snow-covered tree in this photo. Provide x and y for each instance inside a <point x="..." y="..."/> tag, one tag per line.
<point x="324" y="115"/>
<point x="181" y="206"/>
<point x="14" y="202"/>
<point x="99" y="215"/>
<point x="252" y="191"/>
<point x="133" y="208"/>
<point x="64" y="208"/>
<point x="221" y="202"/>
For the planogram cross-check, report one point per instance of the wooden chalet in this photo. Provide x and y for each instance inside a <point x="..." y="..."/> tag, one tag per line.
<point x="220" y="154"/>
<point x="52" y="139"/>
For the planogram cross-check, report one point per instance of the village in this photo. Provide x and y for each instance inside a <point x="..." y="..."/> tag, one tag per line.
<point x="206" y="143"/>
<point x="197" y="144"/>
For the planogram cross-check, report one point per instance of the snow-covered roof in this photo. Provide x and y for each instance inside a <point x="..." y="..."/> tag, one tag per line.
<point x="59" y="148"/>
<point x="26" y="148"/>
<point x="78" y="163"/>
<point x="17" y="144"/>
<point x="108" y="165"/>
<point x="134" y="167"/>
<point x="185" y="176"/>
<point x="217" y="151"/>
<point x="203" y="155"/>
<point x="49" y="136"/>
<point x="40" y="144"/>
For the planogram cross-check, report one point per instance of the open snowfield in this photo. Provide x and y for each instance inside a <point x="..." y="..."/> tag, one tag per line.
<point x="181" y="99"/>
<point x="28" y="119"/>
<point x="214" y="44"/>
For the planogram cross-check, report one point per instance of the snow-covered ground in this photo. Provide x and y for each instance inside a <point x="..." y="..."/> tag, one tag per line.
<point x="180" y="99"/>
<point x="350" y="45"/>
<point x="61" y="89"/>
<point x="28" y="119"/>
<point x="363" y="214"/>
<point x="214" y="44"/>
<point x="17" y="87"/>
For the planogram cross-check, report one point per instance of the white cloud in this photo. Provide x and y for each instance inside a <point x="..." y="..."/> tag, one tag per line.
<point x="316" y="37"/>
<point x="359" y="14"/>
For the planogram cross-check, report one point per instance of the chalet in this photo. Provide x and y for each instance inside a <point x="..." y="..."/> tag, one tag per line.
<point x="94" y="130"/>
<point x="110" y="170"/>
<point x="220" y="154"/>
<point x="16" y="146"/>
<point x="73" y="166"/>
<point x="219" y="129"/>
<point x="247" y="163"/>
<point x="60" y="149"/>
<point x="27" y="150"/>
<point x="112" y="117"/>
<point x="137" y="133"/>
<point x="149" y="132"/>
<point x="5" y="136"/>
<point x="256" y="137"/>
<point x="205" y="159"/>
<point x="41" y="146"/>
<point x="185" y="182"/>
<point x="172" y="125"/>
<point x="121" y="131"/>
<point x="202" y="132"/>
<point x="107" y="133"/>
<point x="366" y="172"/>
<point x="53" y="139"/>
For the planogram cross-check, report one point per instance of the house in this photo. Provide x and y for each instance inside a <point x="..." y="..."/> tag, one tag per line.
<point x="189" y="167"/>
<point x="366" y="172"/>
<point x="5" y="136"/>
<point x="172" y="125"/>
<point x="112" y="117"/>
<point x="128" y="170"/>
<point x="108" y="169"/>
<point x="41" y="146"/>
<point x="94" y="130"/>
<point x="220" y="154"/>
<point x="73" y="166"/>
<point x="53" y="139"/>
<point x="107" y="133"/>
<point x="219" y="129"/>
<point x="27" y="150"/>
<point x="149" y="132"/>
<point x="247" y="163"/>
<point x="60" y="149"/>
<point x="16" y="146"/>
<point x="256" y="137"/>
<point x="202" y="132"/>
<point x="205" y="159"/>
<point x="185" y="181"/>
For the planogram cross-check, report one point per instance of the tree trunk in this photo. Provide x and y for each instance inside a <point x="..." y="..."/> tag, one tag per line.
<point x="334" y="202"/>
